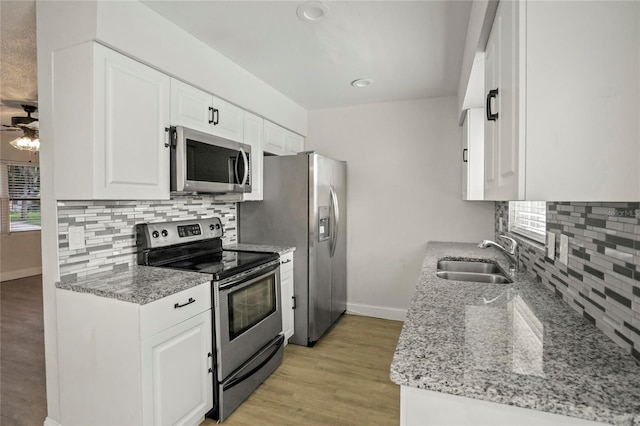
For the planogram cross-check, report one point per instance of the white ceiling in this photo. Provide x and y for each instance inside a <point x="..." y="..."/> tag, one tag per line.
<point x="411" y="49"/>
<point x="18" y="69"/>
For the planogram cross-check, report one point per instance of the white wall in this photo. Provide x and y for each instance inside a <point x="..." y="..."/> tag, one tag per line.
<point x="404" y="189"/>
<point x="19" y="251"/>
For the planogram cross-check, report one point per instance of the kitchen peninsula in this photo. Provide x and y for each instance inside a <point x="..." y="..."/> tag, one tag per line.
<point x="513" y="344"/>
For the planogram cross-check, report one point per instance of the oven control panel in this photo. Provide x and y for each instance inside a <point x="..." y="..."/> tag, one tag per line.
<point x="153" y="235"/>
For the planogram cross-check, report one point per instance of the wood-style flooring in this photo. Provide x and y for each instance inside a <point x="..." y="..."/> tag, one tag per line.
<point x="342" y="380"/>
<point x="23" y="399"/>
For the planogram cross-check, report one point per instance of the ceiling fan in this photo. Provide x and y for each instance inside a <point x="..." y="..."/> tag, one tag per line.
<point x="29" y="126"/>
<point x="21" y="122"/>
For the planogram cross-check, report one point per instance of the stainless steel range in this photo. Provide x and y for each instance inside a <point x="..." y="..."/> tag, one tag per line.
<point x="248" y="341"/>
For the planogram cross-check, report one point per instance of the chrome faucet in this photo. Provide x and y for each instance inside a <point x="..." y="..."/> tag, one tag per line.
<point x="510" y="253"/>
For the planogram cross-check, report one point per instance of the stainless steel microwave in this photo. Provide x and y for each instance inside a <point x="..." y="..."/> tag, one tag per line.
<point x="208" y="164"/>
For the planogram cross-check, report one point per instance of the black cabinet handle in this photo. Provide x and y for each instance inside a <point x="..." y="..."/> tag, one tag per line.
<point x="190" y="301"/>
<point x="492" y="95"/>
<point x="464" y="155"/>
<point x="286" y="261"/>
<point x="215" y="116"/>
<point x="294" y="302"/>
<point x="167" y="137"/>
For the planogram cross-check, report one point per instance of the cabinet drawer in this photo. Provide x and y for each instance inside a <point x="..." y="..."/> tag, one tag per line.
<point x="171" y="310"/>
<point x="286" y="262"/>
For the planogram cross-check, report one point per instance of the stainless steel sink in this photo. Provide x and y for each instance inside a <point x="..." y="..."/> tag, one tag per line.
<point x="480" y="272"/>
<point x="474" y="277"/>
<point x="465" y="266"/>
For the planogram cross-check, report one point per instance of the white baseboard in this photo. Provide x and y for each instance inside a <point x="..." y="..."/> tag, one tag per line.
<point x="21" y="273"/>
<point x="50" y="422"/>
<point x="383" y="312"/>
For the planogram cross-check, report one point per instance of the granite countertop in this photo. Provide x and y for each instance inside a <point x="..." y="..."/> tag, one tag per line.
<point x="281" y="250"/>
<point x="139" y="284"/>
<point x="515" y="344"/>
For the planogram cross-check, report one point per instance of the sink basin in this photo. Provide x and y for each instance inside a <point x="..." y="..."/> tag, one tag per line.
<point x="474" y="277"/>
<point x="479" y="272"/>
<point x="465" y="266"/>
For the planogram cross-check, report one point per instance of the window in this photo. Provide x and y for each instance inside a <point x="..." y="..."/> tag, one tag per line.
<point x="20" y="200"/>
<point x="528" y="218"/>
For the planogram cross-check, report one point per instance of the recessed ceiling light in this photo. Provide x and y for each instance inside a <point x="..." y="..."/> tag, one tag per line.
<point x="362" y="82"/>
<point x="312" y="11"/>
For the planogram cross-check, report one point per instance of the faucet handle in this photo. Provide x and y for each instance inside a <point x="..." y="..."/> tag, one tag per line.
<point x="513" y="242"/>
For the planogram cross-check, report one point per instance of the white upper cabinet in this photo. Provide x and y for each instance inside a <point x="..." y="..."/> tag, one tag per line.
<point x="198" y="110"/>
<point x="563" y="80"/>
<point x="473" y="155"/>
<point x="280" y="141"/>
<point x="110" y="113"/>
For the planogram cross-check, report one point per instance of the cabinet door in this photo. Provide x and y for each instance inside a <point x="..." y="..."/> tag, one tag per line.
<point x="190" y="107"/>
<point x="295" y="143"/>
<point x="176" y="377"/>
<point x="228" y="120"/>
<point x="465" y="157"/>
<point x="286" y="284"/>
<point x="502" y="138"/>
<point x="274" y="139"/>
<point x="253" y="132"/>
<point x="131" y="112"/>
<point x="473" y="155"/>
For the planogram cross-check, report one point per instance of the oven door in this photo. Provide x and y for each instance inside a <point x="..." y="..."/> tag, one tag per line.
<point x="247" y="315"/>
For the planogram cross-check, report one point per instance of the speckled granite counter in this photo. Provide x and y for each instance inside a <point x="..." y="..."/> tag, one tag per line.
<point x="515" y="344"/>
<point x="260" y="247"/>
<point x="139" y="284"/>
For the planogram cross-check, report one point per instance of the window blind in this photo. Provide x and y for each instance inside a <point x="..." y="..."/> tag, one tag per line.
<point x="21" y="197"/>
<point x="528" y="218"/>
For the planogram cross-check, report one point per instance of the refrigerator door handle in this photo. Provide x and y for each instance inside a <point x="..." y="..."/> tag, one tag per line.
<point x="336" y="215"/>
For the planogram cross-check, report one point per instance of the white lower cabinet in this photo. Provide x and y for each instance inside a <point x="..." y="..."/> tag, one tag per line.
<point x="287" y="296"/>
<point x="128" y="364"/>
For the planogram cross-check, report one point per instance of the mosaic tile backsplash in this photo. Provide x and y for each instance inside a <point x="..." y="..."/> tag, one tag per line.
<point x="109" y="229"/>
<point x="602" y="278"/>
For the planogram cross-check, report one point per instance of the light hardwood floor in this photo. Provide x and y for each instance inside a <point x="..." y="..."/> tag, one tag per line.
<point x="342" y="380"/>
<point x="23" y="398"/>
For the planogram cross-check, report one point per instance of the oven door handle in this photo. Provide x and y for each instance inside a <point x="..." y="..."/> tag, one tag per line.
<point x="240" y="379"/>
<point x="259" y="273"/>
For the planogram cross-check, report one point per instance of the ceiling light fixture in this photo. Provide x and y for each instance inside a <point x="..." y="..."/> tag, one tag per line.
<point x="25" y="143"/>
<point x="30" y="141"/>
<point x="312" y="11"/>
<point x="362" y="82"/>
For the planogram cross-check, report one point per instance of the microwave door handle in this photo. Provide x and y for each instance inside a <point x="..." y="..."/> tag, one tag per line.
<point x="246" y="167"/>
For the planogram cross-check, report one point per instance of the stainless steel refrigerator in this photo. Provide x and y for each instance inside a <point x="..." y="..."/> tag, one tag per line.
<point x="305" y="205"/>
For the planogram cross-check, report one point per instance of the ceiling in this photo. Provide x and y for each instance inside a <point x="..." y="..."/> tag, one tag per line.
<point x="411" y="49"/>
<point x="18" y="71"/>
